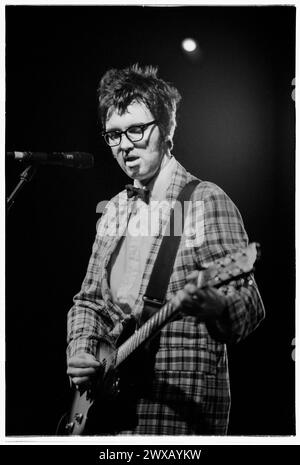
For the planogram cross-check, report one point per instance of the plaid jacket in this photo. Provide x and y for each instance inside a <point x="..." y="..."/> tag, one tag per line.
<point x="189" y="391"/>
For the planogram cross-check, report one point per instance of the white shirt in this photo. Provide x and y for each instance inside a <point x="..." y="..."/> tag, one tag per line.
<point x="127" y="263"/>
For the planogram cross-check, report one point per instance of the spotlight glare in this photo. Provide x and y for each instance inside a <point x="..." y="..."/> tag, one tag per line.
<point x="189" y="45"/>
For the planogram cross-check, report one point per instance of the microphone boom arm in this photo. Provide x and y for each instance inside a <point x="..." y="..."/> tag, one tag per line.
<point x="25" y="177"/>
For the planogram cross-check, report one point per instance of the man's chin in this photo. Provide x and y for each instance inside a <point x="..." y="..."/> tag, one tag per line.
<point x="136" y="174"/>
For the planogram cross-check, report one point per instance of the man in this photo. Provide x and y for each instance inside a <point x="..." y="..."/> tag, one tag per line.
<point x="184" y="386"/>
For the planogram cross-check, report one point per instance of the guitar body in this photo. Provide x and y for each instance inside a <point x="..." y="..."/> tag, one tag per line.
<point x="109" y="405"/>
<point x="78" y="420"/>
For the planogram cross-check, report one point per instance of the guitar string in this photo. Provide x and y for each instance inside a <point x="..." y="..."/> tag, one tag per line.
<point x="166" y="312"/>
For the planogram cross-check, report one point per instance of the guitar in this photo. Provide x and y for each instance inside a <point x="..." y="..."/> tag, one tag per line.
<point x="230" y="268"/>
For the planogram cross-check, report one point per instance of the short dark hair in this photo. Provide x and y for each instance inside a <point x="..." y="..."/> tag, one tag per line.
<point x="119" y="88"/>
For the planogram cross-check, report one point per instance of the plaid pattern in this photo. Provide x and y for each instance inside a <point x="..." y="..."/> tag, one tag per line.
<point x="189" y="391"/>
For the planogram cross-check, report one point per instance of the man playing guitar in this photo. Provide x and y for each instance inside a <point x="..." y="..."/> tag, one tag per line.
<point x="179" y="381"/>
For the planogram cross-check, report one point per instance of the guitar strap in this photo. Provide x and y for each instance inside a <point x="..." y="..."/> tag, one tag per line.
<point x="154" y="297"/>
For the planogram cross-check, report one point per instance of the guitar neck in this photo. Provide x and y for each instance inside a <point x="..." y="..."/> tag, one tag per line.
<point x="149" y="329"/>
<point x="230" y="268"/>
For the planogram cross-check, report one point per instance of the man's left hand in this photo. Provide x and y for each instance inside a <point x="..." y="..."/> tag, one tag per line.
<point x="205" y="304"/>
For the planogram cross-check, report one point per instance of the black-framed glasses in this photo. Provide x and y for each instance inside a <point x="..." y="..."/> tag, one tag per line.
<point x="133" y="133"/>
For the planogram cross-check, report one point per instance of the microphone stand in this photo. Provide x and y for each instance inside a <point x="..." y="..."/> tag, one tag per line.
<point x="25" y="176"/>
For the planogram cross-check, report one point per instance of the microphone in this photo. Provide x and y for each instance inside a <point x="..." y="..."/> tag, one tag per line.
<point x="79" y="160"/>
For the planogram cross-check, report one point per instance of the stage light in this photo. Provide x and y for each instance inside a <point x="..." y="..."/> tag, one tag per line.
<point x="189" y="45"/>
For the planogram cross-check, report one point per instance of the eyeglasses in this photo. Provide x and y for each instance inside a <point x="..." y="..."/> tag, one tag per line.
<point x="134" y="134"/>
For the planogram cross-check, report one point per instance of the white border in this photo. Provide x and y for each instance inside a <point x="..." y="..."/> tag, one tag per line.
<point x="128" y="440"/>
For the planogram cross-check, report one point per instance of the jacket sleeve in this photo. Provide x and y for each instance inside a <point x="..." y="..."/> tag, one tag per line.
<point x="224" y="233"/>
<point x="89" y="318"/>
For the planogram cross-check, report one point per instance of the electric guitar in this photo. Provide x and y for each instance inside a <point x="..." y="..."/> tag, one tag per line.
<point x="230" y="268"/>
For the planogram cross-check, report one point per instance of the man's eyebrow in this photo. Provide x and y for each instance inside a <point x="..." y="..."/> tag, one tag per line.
<point x="113" y="130"/>
<point x="116" y="129"/>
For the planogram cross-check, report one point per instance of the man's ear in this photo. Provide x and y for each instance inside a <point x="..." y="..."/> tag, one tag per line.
<point x="169" y="143"/>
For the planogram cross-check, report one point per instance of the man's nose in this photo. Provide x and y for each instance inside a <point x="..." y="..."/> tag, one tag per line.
<point x="125" y="143"/>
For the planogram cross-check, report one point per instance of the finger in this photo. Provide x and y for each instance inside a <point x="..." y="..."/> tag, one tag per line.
<point x="83" y="362"/>
<point x="179" y="298"/>
<point x="80" y="381"/>
<point x="213" y="292"/>
<point x="72" y="371"/>
<point x="190" y="288"/>
<point x="199" y="296"/>
<point x="85" y="356"/>
<point x="209" y="297"/>
<point x="190" y="303"/>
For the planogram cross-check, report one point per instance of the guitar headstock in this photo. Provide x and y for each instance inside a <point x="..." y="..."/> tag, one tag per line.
<point x="231" y="267"/>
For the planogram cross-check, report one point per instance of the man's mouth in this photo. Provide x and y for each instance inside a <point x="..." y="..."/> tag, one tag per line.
<point x="131" y="160"/>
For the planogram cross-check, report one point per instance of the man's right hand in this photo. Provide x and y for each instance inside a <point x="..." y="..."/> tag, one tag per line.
<point x="81" y="369"/>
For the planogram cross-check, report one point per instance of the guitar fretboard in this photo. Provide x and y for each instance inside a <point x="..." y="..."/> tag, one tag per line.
<point x="150" y="328"/>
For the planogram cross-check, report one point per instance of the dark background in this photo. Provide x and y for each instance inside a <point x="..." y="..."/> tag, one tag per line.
<point x="236" y="128"/>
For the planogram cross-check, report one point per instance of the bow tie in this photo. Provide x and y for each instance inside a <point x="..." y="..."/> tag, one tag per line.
<point x="142" y="193"/>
